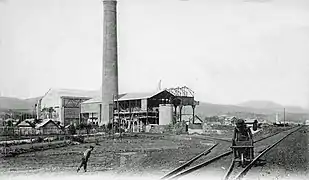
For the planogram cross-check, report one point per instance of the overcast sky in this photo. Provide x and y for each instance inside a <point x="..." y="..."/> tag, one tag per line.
<point x="227" y="51"/>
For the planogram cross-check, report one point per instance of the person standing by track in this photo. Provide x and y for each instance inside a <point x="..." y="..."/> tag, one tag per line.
<point x="85" y="158"/>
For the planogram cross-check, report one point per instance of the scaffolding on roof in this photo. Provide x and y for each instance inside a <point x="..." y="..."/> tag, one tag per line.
<point x="181" y="91"/>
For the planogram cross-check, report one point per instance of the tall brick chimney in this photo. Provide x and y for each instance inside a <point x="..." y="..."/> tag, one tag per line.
<point x="110" y="64"/>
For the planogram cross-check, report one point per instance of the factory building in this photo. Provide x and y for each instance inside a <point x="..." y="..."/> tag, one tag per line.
<point x="143" y="108"/>
<point x="63" y="105"/>
<point x="79" y="106"/>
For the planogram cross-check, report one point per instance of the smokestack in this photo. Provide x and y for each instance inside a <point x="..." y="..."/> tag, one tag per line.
<point x="110" y="65"/>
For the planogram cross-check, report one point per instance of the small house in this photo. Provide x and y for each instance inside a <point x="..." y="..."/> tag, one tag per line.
<point x="48" y="126"/>
<point x="25" y="128"/>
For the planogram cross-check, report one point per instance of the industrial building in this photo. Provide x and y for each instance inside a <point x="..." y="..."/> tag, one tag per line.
<point x="76" y="106"/>
<point x="64" y="104"/>
<point x="140" y="109"/>
<point x="144" y="106"/>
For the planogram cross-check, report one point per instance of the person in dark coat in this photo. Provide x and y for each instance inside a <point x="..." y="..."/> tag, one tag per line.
<point x="241" y="133"/>
<point x="85" y="158"/>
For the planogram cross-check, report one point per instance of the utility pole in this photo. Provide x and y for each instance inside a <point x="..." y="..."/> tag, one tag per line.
<point x="113" y="129"/>
<point x="284" y="116"/>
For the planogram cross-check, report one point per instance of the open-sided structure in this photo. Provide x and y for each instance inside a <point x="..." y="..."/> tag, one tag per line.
<point x="143" y="108"/>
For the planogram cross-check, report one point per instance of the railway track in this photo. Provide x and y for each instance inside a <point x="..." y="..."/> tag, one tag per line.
<point x="242" y="172"/>
<point x="188" y="163"/>
<point x="180" y="172"/>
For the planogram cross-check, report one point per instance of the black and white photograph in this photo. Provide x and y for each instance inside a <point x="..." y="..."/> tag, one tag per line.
<point x="154" y="89"/>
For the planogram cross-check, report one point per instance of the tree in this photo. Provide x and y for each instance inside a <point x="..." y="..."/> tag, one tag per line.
<point x="7" y="115"/>
<point x="48" y="112"/>
<point x="85" y="126"/>
<point x="88" y="128"/>
<point x="9" y="123"/>
<point x="72" y="129"/>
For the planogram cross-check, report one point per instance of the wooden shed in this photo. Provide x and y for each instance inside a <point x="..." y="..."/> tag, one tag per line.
<point x="48" y="126"/>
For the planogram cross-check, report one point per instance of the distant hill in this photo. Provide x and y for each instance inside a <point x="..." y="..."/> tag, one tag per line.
<point x="208" y="109"/>
<point x="32" y="101"/>
<point x="269" y="105"/>
<point x="261" y="104"/>
<point x="10" y="103"/>
<point x="218" y="109"/>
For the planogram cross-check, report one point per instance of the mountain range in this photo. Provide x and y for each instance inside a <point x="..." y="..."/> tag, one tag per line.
<point x="16" y="104"/>
<point x="272" y="106"/>
<point x="265" y="110"/>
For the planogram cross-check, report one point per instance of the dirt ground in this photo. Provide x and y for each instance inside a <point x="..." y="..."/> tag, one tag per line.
<point x="135" y="156"/>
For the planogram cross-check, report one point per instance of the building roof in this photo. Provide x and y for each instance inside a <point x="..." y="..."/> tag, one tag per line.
<point x="75" y="92"/>
<point x="44" y="122"/>
<point x="96" y="99"/>
<point x="250" y="120"/>
<point x="53" y="96"/>
<point x="131" y="96"/>
<point x="24" y="124"/>
<point x="126" y="96"/>
<point x="30" y="120"/>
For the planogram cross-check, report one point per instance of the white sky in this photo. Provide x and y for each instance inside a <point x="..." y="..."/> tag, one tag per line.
<point x="226" y="51"/>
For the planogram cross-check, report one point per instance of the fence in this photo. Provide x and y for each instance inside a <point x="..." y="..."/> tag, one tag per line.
<point x="16" y="133"/>
<point x="14" y="140"/>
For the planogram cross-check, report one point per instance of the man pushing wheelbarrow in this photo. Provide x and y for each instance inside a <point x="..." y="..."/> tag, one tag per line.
<point x="242" y="143"/>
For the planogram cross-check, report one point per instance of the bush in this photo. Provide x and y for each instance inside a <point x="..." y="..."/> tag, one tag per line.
<point x="79" y="139"/>
<point x="180" y="127"/>
<point x="40" y="139"/>
<point x="72" y="130"/>
<point x="109" y="126"/>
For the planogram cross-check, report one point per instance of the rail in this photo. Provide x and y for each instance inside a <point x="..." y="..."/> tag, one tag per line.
<point x="194" y="168"/>
<point x="226" y="140"/>
<point x="249" y="166"/>
<point x="189" y="162"/>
